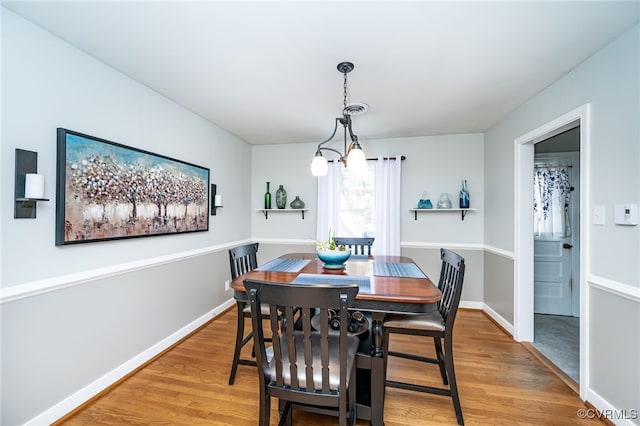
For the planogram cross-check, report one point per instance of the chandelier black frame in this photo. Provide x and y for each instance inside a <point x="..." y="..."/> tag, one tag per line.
<point x="353" y="151"/>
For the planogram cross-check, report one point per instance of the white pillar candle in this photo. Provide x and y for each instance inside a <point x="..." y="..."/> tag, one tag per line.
<point x="33" y="186"/>
<point x="218" y="201"/>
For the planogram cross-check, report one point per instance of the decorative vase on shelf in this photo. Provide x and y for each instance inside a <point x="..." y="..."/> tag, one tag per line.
<point x="267" y="198"/>
<point x="444" y="202"/>
<point x="464" y="196"/>
<point x="425" y="202"/>
<point x="281" y="197"/>
<point x="297" y="203"/>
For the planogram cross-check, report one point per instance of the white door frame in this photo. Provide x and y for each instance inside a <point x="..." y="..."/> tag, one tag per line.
<point x="523" y="229"/>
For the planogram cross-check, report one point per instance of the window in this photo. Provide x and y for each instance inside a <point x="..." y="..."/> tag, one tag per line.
<point x="362" y="207"/>
<point x="356" y="205"/>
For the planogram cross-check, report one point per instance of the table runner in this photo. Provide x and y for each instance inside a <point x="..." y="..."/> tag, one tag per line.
<point x="284" y="265"/>
<point x="393" y="269"/>
<point x="364" y="283"/>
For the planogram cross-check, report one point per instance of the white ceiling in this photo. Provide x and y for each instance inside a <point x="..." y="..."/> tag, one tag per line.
<point x="266" y="71"/>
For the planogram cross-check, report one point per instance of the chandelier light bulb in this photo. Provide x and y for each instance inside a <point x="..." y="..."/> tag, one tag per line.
<point x="319" y="166"/>
<point x="357" y="162"/>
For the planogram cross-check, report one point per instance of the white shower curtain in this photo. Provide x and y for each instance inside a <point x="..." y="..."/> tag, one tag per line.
<point x="551" y="197"/>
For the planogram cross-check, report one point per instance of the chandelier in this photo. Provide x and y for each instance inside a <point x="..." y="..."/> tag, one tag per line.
<point x="353" y="158"/>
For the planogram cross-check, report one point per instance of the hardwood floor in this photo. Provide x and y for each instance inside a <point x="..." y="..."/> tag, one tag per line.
<point x="500" y="383"/>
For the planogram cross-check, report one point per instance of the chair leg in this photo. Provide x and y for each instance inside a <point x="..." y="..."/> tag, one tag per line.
<point x="352" y="398"/>
<point x="440" y="357"/>
<point x="239" y="338"/>
<point x="286" y="413"/>
<point x="342" y="411"/>
<point x="265" y="406"/>
<point x="452" y="380"/>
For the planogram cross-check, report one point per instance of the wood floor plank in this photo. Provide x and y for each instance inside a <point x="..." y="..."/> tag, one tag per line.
<point x="500" y="383"/>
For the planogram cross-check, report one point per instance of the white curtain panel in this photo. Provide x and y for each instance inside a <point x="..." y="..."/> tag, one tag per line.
<point x="551" y="197"/>
<point x="328" y="201"/>
<point x="387" y="206"/>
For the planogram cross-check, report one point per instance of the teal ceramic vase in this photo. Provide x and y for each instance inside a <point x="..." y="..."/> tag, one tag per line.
<point x="297" y="203"/>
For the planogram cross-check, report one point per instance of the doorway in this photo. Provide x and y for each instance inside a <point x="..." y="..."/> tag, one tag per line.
<point x="523" y="319"/>
<point x="557" y="250"/>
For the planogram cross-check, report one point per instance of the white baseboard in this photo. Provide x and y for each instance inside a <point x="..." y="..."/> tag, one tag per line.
<point x="498" y="318"/>
<point x="604" y="410"/>
<point x="471" y="305"/>
<point x="83" y="395"/>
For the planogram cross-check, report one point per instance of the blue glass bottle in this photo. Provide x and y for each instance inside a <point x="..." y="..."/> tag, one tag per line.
<point x="464" y="196"/>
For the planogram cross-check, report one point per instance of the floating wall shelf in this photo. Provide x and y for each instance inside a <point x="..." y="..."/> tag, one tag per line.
<point x="463" y="212"/>
<point x="267" y="211"/>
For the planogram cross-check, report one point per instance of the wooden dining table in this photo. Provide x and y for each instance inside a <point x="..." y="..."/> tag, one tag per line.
<point x="383" y="294"/>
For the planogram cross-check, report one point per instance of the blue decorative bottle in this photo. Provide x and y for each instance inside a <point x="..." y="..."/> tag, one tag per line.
<point x="464" y="196"/>
<point x="425" y="202"/>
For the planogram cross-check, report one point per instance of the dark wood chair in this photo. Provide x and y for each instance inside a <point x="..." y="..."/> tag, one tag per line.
<point x="356" y="245"/>
<point x="438" y="325"/>
<point x="242" y="260"/>
<point x="322" y="377"/>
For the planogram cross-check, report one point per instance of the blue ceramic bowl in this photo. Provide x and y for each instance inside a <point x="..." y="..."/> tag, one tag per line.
<point x="334" y="259"/>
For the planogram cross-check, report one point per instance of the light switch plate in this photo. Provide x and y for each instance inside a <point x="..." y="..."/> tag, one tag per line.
<point x="597" y="215"/>
<point x="625" y="214"/>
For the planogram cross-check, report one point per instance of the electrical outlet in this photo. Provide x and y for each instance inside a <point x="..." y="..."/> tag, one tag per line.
<point x="227" y="285"/>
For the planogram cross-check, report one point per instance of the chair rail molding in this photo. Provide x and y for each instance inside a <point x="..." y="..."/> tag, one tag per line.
<point x="614" y="287"/>
<point x="35" y="288"/>
<point x="452" y="246"/>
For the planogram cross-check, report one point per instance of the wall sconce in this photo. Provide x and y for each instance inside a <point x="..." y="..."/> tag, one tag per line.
<point x="29" y="186"/>
<point x="216" y="200"/>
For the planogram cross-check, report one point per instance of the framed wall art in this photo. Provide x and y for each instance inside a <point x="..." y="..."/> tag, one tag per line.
<point x="107" y="191"/>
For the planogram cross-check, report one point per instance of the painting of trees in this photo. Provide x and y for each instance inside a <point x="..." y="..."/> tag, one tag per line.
<point x="113" y="191"/>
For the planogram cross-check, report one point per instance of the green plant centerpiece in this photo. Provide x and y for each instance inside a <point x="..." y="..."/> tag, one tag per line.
<point x="331" y="254"/>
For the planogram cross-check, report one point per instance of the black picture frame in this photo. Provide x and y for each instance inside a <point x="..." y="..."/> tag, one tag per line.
<point x="109" y="191"/>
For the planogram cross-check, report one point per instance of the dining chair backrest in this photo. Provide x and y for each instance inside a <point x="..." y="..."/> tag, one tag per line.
<point x="450" y="285"/>
<point x="243" y="259"/>
<point x="358" y="245"/>
<point x="324" y="358"/>
<point x="439" y="326"/>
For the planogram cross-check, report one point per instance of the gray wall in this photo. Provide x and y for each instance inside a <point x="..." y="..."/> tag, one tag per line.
<point x="615" y="349"/>
<point x="498" y="284"/>
<point x="428" y="259"/>
<point x="123" y="297"/>
<point x="433" y="163"/>
<point x="609" y="81"/>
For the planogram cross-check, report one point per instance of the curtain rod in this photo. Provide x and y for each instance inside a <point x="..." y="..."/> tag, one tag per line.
<point x="541" y="165"/>
<point x="402" y="157"/>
